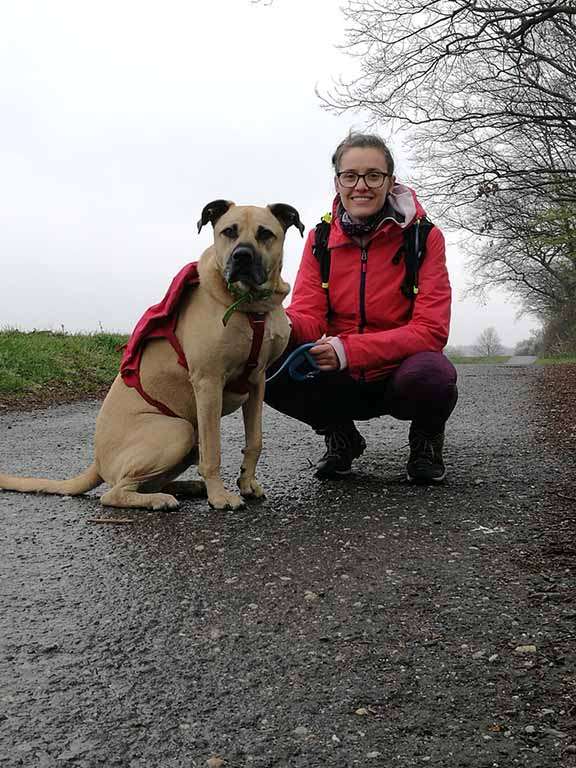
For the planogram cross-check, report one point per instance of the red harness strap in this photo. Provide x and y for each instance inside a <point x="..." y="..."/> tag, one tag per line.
<point x="257" y="323"/>
<point x="159" y="322"/>
<point x="239" y="386"/>
<point x="132" y="377"/>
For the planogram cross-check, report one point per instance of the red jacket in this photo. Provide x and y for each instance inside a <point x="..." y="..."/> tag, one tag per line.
<point x="392" y="328"/>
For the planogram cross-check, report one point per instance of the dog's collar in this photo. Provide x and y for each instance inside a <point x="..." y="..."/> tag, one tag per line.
<point x="244" y="297"/>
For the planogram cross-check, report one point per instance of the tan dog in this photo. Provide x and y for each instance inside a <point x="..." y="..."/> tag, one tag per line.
<point x="140" y="450"/>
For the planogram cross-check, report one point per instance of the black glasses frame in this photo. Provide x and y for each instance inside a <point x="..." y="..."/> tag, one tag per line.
<point x="363" y="176"/>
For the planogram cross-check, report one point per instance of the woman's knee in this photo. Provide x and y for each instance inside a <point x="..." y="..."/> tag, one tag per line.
<point x="426" y="376"/>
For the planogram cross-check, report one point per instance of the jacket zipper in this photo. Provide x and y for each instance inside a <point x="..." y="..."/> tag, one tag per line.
<point x="363" y="268"/>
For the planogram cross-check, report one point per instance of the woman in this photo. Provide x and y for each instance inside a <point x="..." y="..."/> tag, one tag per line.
<point x="378" y="350"/>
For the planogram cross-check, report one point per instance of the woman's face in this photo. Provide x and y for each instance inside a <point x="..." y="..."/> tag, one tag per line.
<point x="361" y="200"/>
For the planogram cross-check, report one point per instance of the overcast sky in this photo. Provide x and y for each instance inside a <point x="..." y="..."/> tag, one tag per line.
<point x="121" y="119"/>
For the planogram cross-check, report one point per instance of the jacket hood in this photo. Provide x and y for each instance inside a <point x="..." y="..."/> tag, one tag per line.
<point x="403" y="200"/>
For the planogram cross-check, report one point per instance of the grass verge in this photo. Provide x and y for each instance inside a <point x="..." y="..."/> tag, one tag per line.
<point x="40" y="362"/>
<point x="42" y="368"/>
<point x="560" y="360"/>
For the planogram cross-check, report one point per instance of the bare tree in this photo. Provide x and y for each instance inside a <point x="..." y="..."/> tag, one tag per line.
<point x="486" y="93"/>
<point x="488" y="343"/>
<point x="526" y="246"/>
<point x="487" y="89"/>
<point x="530" y="346"/>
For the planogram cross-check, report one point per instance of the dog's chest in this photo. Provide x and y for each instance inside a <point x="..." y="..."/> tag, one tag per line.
<point x="243" y="345"/>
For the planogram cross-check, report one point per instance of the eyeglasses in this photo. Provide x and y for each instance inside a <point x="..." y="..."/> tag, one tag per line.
<point x="372" y="179"/>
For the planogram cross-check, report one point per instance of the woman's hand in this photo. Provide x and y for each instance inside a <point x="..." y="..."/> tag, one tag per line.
<point x="325" y="356"/>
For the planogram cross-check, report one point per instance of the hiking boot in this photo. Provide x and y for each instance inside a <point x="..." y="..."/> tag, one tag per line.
<point x="425" y="463"/>
<point x="343" y="445"/>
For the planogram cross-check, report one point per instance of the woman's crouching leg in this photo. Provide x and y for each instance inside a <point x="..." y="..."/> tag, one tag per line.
<point x="328" y="404"/>
<point x="424" y="392"/>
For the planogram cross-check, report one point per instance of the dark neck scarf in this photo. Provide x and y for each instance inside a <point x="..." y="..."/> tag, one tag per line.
<point x="368" y="225"/>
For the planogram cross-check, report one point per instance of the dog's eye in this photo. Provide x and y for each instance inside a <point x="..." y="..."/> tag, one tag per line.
<point x="263" y="234"/>
<point x="230" y="232"/>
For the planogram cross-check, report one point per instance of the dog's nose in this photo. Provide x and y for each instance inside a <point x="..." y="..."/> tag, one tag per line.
<point x="245" y="264"/>
<point x="243" y="255"/>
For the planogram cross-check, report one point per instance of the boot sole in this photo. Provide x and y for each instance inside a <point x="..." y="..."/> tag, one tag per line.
<point x="425" y="480"/>
<point x="333" y="474"/>
<point x="336" y="473"/>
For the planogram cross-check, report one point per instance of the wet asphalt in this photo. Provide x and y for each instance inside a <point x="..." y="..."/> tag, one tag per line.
<point x="356" y="623"/>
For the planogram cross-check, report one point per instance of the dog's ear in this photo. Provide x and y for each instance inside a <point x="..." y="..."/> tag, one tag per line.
<point x="213" y="211"/>
<point x="287" y="215"/>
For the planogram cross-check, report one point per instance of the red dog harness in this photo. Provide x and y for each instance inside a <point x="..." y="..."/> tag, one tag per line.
<point x="159" y="322"/>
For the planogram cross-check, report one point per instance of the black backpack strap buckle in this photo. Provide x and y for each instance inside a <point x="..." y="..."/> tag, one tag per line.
<point x="415" y="237"/>
<point x="320" y="248"/>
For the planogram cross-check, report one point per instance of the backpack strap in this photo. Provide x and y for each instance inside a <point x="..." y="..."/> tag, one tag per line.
<point x="322" y="252"/>
<point x="320" y="248"/>
<point x="414" y="248"/>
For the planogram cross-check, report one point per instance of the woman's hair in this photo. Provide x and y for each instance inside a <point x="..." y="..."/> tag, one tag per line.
<point x="362" y="140"/>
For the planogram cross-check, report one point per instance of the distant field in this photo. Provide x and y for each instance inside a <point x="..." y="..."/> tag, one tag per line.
<point x="41" y="361"/>
<point x="495" y="359"/>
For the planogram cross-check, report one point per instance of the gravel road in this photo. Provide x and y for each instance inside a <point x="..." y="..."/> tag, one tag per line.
<point x="355" y="623"/>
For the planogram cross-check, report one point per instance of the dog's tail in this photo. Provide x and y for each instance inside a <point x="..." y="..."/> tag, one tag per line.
<point x="73" y="487"/>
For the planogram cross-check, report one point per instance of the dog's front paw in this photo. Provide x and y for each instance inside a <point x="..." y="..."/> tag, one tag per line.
<point x="250" y="489"/>
<point x="225" y="500"/>
<point x="159" y="501"/>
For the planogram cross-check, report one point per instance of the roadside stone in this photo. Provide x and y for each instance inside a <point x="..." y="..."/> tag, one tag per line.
<point x="301" y="730"/>
<point x="521" y="649"/>
<point x="24" y="747"/>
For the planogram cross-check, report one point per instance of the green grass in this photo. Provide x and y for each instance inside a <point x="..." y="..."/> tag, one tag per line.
<point x="30" y="362"/>
<point x="559" y="360"/>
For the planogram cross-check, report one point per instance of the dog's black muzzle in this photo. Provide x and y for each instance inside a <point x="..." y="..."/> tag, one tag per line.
<point x="245" y="265"/>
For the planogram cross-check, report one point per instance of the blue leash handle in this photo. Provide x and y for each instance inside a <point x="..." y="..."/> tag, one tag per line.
<point x="300" y="363"/>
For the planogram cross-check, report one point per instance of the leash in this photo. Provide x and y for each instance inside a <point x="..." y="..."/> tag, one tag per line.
<point x="300" y="363"/>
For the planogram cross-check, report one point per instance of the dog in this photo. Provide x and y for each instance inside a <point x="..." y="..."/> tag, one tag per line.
<point x="162" y="413"/>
